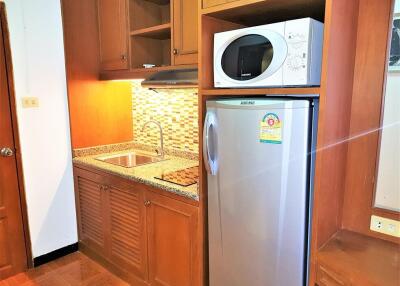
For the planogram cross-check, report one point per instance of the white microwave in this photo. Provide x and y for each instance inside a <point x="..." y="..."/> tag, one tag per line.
<point x="280" y="54"/>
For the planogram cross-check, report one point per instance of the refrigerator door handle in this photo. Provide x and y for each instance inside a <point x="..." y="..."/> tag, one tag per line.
<point x="209" y="134"/>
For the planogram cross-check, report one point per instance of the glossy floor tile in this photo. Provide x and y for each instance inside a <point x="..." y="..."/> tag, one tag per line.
<point x="73" y="269"/>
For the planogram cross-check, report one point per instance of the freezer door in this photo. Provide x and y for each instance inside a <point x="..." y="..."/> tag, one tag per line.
<point x="258" y="196"/>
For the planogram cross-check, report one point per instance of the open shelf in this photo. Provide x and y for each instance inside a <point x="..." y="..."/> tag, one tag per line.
<point x="260" y="91"/>
<point x="160" y="32"/>
<point x="361" y="259"/>
<point x="150" y="51"/>
<point x="146" y="14"/>
<point x="258" y="12"/>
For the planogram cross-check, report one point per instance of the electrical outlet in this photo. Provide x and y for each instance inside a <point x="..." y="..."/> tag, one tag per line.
<point x="385" y="225"/>
<point x="30" y="102"/>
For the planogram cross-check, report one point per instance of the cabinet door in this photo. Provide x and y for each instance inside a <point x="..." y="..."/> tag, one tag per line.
<point x="184" y="32"/>
<point x="128" y="240"/>
<point x="113" y="34"/>
<point x="172" y="242"/>
<point x="90" y="206"/>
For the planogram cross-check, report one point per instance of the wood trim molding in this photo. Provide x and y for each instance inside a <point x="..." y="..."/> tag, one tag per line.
<point x="10" y="76"/>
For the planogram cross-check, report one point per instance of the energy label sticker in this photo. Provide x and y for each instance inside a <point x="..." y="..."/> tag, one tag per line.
<point x="271" y="129"/>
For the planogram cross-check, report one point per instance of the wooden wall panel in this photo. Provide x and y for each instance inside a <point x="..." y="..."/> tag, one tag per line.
<point x="334" y="115"/>
<point x="340" y="34"/>
<point x="369" y="80"/>
<point x="100" y="112"/>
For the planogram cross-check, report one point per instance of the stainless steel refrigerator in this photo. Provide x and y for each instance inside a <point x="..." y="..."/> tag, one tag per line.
<point x="258" y="154"/>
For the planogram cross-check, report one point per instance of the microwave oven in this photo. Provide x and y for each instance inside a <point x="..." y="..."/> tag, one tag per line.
<point x="280" y="54"/>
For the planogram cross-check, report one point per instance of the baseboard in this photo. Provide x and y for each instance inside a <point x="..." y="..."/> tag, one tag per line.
<point x="40" y="260"/>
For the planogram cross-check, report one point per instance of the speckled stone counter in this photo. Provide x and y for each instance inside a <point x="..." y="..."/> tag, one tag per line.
<point x="146" y="173"/>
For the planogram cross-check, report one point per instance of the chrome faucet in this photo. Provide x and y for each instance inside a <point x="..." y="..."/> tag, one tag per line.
<point x="161" y="152"/>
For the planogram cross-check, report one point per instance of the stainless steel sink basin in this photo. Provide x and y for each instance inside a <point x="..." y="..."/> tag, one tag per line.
<point x="129" y="160"/>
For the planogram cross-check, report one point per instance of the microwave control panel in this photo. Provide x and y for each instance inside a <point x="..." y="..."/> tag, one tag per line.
<point x="302" y="66"/>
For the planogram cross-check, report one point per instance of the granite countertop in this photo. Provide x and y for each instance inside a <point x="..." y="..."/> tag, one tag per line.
<point x="145" y="174"/>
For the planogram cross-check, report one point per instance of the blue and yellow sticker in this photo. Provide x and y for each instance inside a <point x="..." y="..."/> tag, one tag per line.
<point x="271" y="129"/>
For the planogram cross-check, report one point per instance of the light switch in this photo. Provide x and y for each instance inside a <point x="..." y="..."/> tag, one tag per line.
<point x="30" y="102"/>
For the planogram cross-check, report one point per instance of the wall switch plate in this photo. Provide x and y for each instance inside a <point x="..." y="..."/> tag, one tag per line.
<point x="385" y="225"/>
<point x="30" y="102"/>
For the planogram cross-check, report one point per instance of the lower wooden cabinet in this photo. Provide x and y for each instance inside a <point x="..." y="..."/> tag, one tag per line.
<point x="143" y="234"/>
<point x="126" y="234"/>
<point x="173" y="250"/>
<point x="90" y="209"/>
<point x="111" y="220"/>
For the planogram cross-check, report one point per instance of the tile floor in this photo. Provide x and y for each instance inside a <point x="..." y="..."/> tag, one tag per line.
<point x="71" y="270"/>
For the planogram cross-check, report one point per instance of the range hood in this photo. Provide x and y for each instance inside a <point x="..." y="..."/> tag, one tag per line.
<point x="179" y="78"/>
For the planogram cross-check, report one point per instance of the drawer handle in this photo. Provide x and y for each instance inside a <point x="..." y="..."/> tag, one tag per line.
<point x="147" y="203"/>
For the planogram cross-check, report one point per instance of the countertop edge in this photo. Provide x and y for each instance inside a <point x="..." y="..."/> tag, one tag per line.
<point x="77" y="162"/>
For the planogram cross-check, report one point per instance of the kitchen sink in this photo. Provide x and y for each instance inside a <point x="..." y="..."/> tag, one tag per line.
<point x="129" y="160"/>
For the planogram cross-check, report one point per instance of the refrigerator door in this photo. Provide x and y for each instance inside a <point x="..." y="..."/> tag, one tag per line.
<point x="257" y="198"/>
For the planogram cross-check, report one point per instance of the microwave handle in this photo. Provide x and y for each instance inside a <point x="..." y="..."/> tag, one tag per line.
<point x="210" y="124"/>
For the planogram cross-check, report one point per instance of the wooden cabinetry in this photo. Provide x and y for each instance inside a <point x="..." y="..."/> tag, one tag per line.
<point x="90" y="206"/>
<point x="113" y="34"/>
<point x="185" y="15"/>
<point x="211" y="3"/>
<point x="127" y="230"/>
<point x="111" y="220"/>
<point x="133" y="33"/>
<point x="150" y="33"/>
<point x="173" y="251"/>
<point x="150" y="238"/>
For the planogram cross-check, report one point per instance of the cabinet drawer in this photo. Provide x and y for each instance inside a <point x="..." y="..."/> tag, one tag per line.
<point x="326" y="277"/>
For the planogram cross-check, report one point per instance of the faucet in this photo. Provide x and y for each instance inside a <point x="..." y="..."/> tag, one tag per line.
<point x="161" y="135"/>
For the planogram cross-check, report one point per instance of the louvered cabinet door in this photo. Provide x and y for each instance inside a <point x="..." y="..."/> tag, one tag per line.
<point x="128" y="247"/>
<point x="90" y="205"/>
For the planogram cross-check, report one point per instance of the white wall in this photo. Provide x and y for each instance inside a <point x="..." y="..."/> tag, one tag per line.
<point x="388" y="184"/>
<point x="39" y="70"/>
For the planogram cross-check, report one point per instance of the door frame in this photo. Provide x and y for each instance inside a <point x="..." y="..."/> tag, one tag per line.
<point x="13" y="108"/>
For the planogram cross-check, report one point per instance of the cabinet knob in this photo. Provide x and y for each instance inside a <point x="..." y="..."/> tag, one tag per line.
<point x="175" y="51"/>
<point x="123" y="57"/>
<point x="6" y="152"/>
<point x="104" y="188"/>
<point x="147" y="203"/>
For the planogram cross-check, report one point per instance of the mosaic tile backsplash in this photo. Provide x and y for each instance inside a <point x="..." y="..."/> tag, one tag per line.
<point x="175" y="109"/>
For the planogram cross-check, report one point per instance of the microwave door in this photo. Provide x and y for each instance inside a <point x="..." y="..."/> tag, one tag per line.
<point x="253" y="54"/>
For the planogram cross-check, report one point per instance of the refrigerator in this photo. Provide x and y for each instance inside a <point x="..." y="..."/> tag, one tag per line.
<point x="259" y="155"/>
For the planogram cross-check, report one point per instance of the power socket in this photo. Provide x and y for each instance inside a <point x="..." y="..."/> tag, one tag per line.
<point x="30" y="102"/>
<point x="385" y="225"/>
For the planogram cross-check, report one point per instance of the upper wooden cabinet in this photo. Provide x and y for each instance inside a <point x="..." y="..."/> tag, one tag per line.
<point x="134" y="33"/>
<point x="113" y="34"/>
<point x="185" y="15"/>
<point x="211" y="3"/>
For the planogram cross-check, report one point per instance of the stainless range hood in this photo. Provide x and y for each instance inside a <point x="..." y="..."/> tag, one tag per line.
<point x="179" y="78"/>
